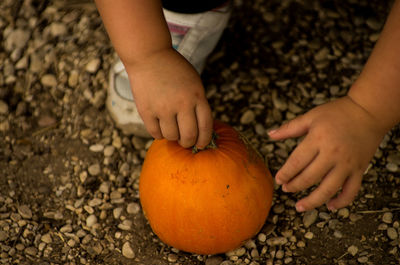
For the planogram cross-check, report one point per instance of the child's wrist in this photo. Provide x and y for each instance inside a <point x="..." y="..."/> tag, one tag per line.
<point x="361" y="94"/>
<point x="137" y="60"/>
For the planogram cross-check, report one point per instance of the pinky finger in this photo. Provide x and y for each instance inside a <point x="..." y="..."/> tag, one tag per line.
<point x="153" y="127"/>
<point x="348" y="193"/>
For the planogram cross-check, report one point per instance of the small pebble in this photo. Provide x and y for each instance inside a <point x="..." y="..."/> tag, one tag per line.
<point x="392" y="167"/>
<point x="337" y="234"/>
<point x="250" y="244"/>
<point x="20" y="246"/>
<point x="363" y="259"/>
<point x="262" y="237"/>
<point x="236" y="252"/>
<point x="93" y="66"/>
<point x="91" y="220"/>
<point x="46" y="121"/>
<point x="172" y="257"/>
<point x="310" y="217"/>
<point x="46" y="238"/>
<point x="214" y="260"/>
<point x="95" y="202"/>
<point x="288" y="260"/>
<point x="254" y="253"/>
<point x="58" y="29"/>
<point x="31" y="251"/>
<point x="382" y="227"/>
<point x="3" y="236"/>
<point x="25" y="212"/>
<point x="324" y="216"/>
<point x="127" y="251"/>
<point x="3" y="107"/>
<point x="392" y="233"/>
<point x="373" y="23"/>
<point x="309" y="235"/>
<point x="247" y="117"/>
<point x="96" y="148"/>
<point x="73" y="78"/>
<point x="352" y="250"/>
<point x="18" y="38"/>
<point x="278" y="208"/>
<point x="279" y="254"/>
<point x="387" y="217"/>
<point x="115" y="195"/>
<point x="54" y="215"/>
<point x="117" y="142"/>
<point x="277" y="241"/>
<point x="117" y="212"/>
<point x="355" y="217"/>
<point x="66" y="229"/>
<point x="301" y="244"/>
<point x="126" y="225"/>
<point x="343" y="213"/>
<point x="94" y="169"/>
<point x="105" y="187"/>
<point x="133" y="208"/>
<point x="71" y="243"/>
<point x="109" y="150"/>
<point x="48" y="80"/>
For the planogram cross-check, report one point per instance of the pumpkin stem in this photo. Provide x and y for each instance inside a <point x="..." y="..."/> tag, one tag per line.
<point x="211" y="145"/>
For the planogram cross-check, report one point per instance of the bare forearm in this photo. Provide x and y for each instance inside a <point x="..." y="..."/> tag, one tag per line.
<point x="136" y="28"/>
<point x="378" y="87"/>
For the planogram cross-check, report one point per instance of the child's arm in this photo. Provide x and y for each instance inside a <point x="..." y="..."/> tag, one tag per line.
<point x="342" y="136"/>
<point x="168" y="91"/>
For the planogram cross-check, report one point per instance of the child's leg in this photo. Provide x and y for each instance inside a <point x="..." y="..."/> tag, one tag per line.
<point x="196" y="35"/>
<point x="193" y="35"/>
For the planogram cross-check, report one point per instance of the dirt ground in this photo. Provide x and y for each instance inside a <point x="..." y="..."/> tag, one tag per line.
<point x="69" y="177"/>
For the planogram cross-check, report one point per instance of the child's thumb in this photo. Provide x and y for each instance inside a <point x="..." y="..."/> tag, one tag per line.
<point x="294" y="128"/>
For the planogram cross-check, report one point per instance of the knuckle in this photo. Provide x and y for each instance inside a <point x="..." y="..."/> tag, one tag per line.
<point x="294" y="163"/>
<point x="187" y="142"/>
<point x="205" y="126"/>
<point x="154" y="132"/>
<point x="328" y="192"/>
<point x="307" y="181"/>
<point x="171" y="136"/>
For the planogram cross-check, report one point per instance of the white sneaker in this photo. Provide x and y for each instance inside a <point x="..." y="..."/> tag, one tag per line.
<point x="193" y="35"/>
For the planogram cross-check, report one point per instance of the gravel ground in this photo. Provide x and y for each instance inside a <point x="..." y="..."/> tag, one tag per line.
<point x="69" y="178"/>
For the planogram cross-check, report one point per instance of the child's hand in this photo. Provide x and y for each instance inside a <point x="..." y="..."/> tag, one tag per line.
<point x="170" y="98"/>
<point x="341" y="138"/>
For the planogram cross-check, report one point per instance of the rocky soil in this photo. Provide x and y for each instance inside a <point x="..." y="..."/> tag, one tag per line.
<point x="69" y="177"/>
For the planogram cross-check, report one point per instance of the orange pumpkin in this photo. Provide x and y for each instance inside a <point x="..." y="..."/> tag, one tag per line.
<point x="206" y="202"/>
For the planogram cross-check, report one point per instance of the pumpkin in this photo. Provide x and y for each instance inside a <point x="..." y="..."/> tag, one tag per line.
<point x="205" y="202"/>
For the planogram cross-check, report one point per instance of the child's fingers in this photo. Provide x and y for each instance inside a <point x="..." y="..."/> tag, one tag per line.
<point x="187" y="128"/>
<point x="325" y="191"/>
<point x="169" y="127"/>
<point x="349" y="191"/>
<point x="302" y="156"/>
<point x="294" y="128"/>
<point x="152" y="126"/>
<point x="204" y="124"/>
<point x="311" y="175"/>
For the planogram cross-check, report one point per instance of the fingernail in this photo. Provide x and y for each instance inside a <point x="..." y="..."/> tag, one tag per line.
<point x="284" y="188"/>
<point x="278" y="181"/>
<point x="331" y="208"/>
<point x="271" y="132"/>
<point x="300" y="208"/>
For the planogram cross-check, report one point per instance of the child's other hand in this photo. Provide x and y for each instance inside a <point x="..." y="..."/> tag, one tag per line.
<point x="341" y="138"/>
<point x="170" y="99"/>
